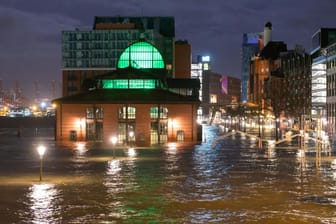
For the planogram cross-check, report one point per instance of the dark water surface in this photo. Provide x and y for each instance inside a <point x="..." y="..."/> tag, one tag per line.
<point x="234" y="182"/>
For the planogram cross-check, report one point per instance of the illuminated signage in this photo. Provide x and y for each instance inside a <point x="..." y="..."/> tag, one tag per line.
<point x="205" y="58"/>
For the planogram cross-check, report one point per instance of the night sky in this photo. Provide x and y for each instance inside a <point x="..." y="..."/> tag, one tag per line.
<point x="30" y="40"/>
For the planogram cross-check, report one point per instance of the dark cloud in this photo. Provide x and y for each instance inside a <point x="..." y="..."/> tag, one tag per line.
<point x="31" y="30"/>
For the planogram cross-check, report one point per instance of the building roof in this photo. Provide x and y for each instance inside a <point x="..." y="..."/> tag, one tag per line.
<point x="135" y="96"/>
<point x="272" y="50"/>
<point x="163" y="25"/>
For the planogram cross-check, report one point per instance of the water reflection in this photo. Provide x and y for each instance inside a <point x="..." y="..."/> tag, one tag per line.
<point x="233" y="182"/>
<point x="271" y="153"/>
<point x="172" y="156"/>
<point x="80" y="155"/>
<point x="114" y="179"/>
<point x="131" y="153"/>
<point x="114" y="185"/>
<point x="45" y="202"/>
<point x="333" y="169"/>
<point x="113" y="167"/>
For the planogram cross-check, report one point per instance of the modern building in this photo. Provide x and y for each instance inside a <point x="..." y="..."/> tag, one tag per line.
<point x="296" y="68"/>
<point x="321" y="39"/>
<point x="331" y="89"/>
<point x="251" y="46"/>
<point x="201" y="65"/>
<point x="135" y="103"/>
<point x="92" y="52"/>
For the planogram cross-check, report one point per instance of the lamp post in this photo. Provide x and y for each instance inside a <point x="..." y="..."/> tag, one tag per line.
<point x="114" y="140"/>
<point x="41" y="150"/>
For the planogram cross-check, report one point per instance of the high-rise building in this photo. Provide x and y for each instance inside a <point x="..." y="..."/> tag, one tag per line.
<point x="198" y="69"/>
<point x="331" y="89"/>
<point x="320" y="40"/>
<point x="296" y="68"/>
<point x="250" y="47"/>
<point x="88" y="53"/>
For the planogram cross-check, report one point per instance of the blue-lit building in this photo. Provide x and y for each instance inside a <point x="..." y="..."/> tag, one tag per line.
<point x="250" y="47"/>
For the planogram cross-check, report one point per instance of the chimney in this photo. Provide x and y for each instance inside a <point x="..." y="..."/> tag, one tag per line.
<point x="267" y="33"/>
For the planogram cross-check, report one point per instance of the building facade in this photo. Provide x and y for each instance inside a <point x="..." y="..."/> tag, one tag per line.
<point x="331" y="89"/>
<point x="199" y="67"/>
<point x="132" y="103"/>
<point x="320" y="40"/>
<point x="296" y="68"/>
<point x="182" y="59"/>
<point x="250" y="47"/>
<point x="219" y="93"/>
<point x="266" y="64"/>
<point x="88" y="53"/>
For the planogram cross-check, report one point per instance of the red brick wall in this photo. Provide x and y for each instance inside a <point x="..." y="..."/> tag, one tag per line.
<point x="183" y="115"/>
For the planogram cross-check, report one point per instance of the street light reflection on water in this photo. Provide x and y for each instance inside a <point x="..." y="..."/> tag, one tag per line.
<point x="43" y="202"/>
<point x="232" y="182"/>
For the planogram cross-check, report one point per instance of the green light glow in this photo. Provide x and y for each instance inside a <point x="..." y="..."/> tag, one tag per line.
<point x="141" y="55"/>
<point x="129" y="84"/>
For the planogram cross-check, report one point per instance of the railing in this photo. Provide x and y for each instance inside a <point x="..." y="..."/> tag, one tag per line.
<point x="319" y="143"/>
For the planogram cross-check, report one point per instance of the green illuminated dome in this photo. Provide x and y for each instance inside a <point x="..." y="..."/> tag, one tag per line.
<point x="141" y="55"/>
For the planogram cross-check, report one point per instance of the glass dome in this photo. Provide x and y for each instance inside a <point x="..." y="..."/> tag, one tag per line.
<point x="141" y="55"/>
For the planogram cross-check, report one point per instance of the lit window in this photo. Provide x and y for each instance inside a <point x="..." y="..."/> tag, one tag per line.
<point x="127" y="112"/>
<point x="213" y="98"/>
<point x="94" y="112"/>
<point x="205" y="66"/>
<point x="154" y="113"/>
<point x="129" y="84"/>
<point x="141" y="55"/>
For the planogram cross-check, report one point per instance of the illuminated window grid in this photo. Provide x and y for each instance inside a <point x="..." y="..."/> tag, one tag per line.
<point x="131" y="112"/>
<point x="141" y="55"/>
<point x="129" y="84"/>
<point x="154" y="113"/>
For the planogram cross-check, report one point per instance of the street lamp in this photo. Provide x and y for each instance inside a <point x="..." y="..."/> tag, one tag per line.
<point x="114" y="140"/>
<point x="41" y="150"/>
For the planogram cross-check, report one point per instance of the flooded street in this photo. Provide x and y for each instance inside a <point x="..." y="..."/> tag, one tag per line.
<point x="233" y="182"/>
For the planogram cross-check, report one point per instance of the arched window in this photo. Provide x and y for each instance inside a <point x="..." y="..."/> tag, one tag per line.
<point x="141" y="55"/>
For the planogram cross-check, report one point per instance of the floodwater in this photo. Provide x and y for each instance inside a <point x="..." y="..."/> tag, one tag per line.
<point x="232" y="182"/>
